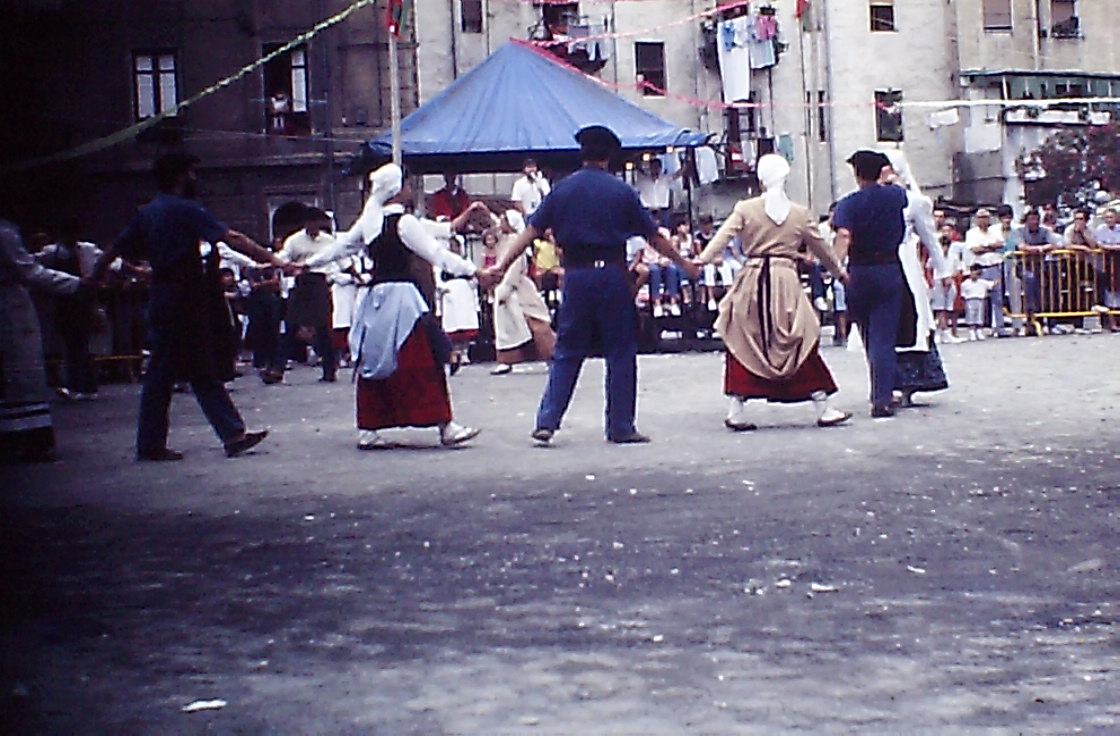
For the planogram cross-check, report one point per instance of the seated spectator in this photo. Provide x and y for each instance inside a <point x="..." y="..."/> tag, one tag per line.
<point x="639" y="271"/>
<point x="664" y="280"/>
<point x="549" y="274"/>
<point x="682" y="241"/>
<point x="451" y="201"/>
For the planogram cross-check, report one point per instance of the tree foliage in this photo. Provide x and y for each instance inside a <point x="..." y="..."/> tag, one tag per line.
<point x="1073" y="163"/>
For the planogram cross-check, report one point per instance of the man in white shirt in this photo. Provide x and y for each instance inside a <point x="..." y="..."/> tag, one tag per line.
<point x="310" y="309"/>
<point x="653" y="189"/>
<point x="1108" y="240"/>
<point x="983" y="244"/>
<point x="530" y="189"/>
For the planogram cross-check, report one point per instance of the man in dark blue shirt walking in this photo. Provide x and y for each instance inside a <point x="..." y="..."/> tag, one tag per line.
<point x="869" y="228"/>
<point x="188" y="320"/>
<point x="592" y="213"/>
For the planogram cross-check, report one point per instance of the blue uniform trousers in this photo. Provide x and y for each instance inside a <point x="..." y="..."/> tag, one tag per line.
<point x="597" y="303"/>
<point x="875" y="304"/>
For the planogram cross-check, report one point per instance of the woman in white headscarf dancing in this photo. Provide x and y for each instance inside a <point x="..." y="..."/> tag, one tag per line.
<point x="919" y="363"/>
<point x="522" y="322"/>
<point x="395" y="341"/>
<point x="766" y="321"/>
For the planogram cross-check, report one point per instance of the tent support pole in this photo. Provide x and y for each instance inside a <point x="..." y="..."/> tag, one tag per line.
<point x="395" y="97"/>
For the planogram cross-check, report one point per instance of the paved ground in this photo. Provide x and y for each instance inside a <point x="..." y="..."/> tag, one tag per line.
<point x="953" y="570"/>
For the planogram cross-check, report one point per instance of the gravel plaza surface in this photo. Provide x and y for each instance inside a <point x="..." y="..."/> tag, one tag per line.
<point x="953" y="570"/>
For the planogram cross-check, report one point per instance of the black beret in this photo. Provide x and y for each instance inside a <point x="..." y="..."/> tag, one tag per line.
<point x="597" y="135"/>
<point x="869" y="158"/>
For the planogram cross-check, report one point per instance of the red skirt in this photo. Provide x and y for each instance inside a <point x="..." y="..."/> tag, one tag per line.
<point x="812" y="376"/>
<point x="415" y="395"/>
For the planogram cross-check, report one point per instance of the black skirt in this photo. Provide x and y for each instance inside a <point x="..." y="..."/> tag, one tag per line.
<point x="921" y="371"/>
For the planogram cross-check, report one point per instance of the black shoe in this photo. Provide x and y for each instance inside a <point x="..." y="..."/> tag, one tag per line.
<point x="328" y="379"/>
<point x="634" y="438"/>
<point x="740" y="426"/>
<point x="454" y="366"/>
<point x="542" y="435"/>
<point x="881" y="412"/>
<point x="158" y="456"/>
<point x="245" y="442"/>
<point x="270" y="377"/>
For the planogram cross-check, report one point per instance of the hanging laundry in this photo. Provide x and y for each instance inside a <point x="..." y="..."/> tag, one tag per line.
<point x="763" y="33"/>
<point x="785" y="146"/>
<point x="707" y="165"/>
<point x="734" y="51"/>
<point x="766" y="27"/>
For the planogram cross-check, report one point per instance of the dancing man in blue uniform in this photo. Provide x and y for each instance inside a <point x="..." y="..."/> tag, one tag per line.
<point x="592" y="213"/>
<point x="869" y="227"/>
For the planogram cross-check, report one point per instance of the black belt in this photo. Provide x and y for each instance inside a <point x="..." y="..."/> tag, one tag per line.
<point x="874" y="259"/>
<point x="765" y="297"/>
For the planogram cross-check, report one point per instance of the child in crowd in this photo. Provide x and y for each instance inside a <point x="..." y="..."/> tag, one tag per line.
<point x="943" y="297"/>
<point x="974" y="291"/>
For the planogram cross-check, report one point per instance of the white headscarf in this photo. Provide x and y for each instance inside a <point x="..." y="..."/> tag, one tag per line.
<point x="902" y="167"/>
<point x="773" y="170"/>
<point x="385" y="183"/>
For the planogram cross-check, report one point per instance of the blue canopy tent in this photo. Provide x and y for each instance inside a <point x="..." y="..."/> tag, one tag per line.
<point x="518" y="102"/>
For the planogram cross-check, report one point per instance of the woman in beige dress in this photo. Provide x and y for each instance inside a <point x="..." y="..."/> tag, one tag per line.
<point x="522" y="323"/>
<point x="766" y="321"/>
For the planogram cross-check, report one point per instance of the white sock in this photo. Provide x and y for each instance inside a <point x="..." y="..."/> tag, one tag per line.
<point x="736" y="410"/>
<point x="820" y="401"/>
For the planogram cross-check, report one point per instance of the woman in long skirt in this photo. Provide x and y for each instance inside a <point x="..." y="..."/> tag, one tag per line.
<point x="919" y="362"/>
<point x="399" y="346"/>
<point x="26" y="431"/>
<point x="766" y="321"/>
<point x="522" y="323"/>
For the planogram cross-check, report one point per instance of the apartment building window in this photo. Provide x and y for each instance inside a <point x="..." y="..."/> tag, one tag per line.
<point x="472" y="15"/>
<point x="997" y="16"/>
<point x="882" y="15"/>
<point x="154" y="83"/>
<point x="649" y="65"/>
<point x="557" y="16"/>
<point x="286" y="91"/>
<point x="1065" y="20"/>
<point x="822" y="116"/>
<point x="888" y="116"/>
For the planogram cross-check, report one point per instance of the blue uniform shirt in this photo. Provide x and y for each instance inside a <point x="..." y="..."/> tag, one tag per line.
<point x="873" y="215"/>
<point x="592" y="213"/>
<point x="166" y="233"/>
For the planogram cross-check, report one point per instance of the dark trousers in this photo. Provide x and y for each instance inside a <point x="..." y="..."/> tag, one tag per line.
<point x="265" y="313"/>
<point x="597" y="310"/>
<point x="875" y="304"/>
<point x="320" y="341"/>
<point x="155" y="399"/>
<point x="74" y="324"/>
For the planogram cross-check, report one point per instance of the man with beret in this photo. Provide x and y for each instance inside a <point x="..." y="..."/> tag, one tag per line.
<point x="592" y="213"/>
<point x="869" y="227"/>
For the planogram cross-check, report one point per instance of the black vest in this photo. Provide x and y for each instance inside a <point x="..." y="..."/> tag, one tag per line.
<point x="391" y="258"/>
